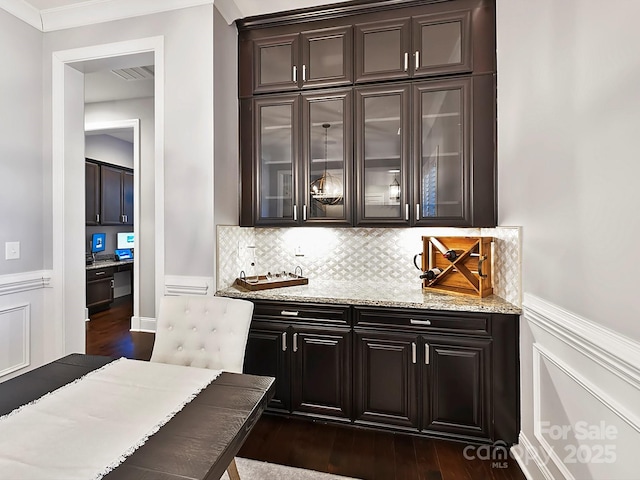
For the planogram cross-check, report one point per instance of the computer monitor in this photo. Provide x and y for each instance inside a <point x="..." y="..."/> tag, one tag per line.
<point x="98" y="241"/>
<point x="125" y="240"/>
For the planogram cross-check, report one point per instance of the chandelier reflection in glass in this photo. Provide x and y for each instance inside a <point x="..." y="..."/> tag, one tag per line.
<point x="328" y="189"/>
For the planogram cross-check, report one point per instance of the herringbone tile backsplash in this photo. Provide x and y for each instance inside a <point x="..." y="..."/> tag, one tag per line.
<point x="355" y="254"/>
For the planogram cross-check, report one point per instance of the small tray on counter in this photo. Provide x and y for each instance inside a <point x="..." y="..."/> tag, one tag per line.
<point x="261" y="282"/>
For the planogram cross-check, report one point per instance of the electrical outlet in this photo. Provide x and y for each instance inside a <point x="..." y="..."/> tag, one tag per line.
<point x="298" y="251"/>
<point x="11" y="250"/>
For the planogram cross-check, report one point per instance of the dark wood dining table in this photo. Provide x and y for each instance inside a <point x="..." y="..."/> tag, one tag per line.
<point x="197" y="443"/>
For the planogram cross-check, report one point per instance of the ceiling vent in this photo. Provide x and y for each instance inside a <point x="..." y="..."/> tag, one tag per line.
<point x="135" y="73"/>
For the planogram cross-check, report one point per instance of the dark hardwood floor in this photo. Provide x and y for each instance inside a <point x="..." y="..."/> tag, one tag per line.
<point x="355" y="452"/>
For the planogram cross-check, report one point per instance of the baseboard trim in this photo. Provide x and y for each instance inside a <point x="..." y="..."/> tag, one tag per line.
<point x="23" y="282"/>
<point x="525" y="453"/>
<point x="143" y="324"/>
<point x="182" y="285"/>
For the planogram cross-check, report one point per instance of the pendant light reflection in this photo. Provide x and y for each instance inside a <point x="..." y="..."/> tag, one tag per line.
<point x="394" y="187"/>
<point x="328" y="189"/>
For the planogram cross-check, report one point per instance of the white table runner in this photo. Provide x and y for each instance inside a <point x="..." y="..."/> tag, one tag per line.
<point x="85" y="429"/>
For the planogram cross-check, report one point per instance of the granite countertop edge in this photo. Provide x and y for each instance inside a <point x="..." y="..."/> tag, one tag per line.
<point x="369" y="295"/>
<point x="107" y="263"/>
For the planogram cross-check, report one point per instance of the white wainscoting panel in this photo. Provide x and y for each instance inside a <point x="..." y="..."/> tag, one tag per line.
<point x="583" y="382"/>
<point x="15" y="338"/>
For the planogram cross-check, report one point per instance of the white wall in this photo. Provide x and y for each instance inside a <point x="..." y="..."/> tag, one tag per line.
<point x="227" y="172"/>
<point x="109" y="149"/>
<point x="24" y="331"/>
<point x="142" y="109"/>
<point x="188" y="115"/>
<point x="21" y="199"/>
<point x="568" y="122"/>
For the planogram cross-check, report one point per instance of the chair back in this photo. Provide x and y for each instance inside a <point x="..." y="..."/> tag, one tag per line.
<point x="205" y="332"/>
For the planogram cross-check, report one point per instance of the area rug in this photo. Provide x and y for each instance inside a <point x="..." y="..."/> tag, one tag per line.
<point x="255" y="470"/>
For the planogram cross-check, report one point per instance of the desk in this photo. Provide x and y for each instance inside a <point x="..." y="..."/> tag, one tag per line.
<point x="197" y="443"/>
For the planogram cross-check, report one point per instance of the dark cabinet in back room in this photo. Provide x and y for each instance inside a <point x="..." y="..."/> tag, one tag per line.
<point x="92" y="193"/>
<point x="116" y="189"/>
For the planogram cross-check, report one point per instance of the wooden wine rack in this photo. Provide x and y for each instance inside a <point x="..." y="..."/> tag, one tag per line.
<point x="468" y="274"/>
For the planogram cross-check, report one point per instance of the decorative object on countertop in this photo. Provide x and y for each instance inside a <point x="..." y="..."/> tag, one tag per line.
<point x="275" y="280"/>
<point x="464" y="265"/>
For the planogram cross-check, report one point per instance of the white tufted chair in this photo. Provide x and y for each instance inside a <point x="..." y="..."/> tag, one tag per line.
<point x="205" y="332"/>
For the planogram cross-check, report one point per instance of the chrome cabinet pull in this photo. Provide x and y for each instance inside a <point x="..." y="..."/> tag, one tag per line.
<point x="97" y="218"/>
<point x="406" y="61"/>
<point x="417" y="211"/>
<point x="295" y="74"/>
<point x="295" y="213"/>
<point x="284" y="342"/>
<point x="426" y="354"/>
<point x="406" y="212"/>
<point x="420" y="322"/>
<point x="100" y="273"/>
<point x="413" y="353"/>
<point x="295" y="342"/>
<point x="289" y="313"/>
<point x="304" y="73"/>
<point x="304" y="212"/>
<point x="417" y="59"/>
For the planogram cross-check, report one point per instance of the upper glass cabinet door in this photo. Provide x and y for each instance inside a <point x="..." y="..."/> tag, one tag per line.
<point x="276" y="153"/>
<point x="441" y="151"/>
<point x="442" y="43"/>
<point x="275" y="65"/>
<point x="382" y="119"/>
<point x="327" y="154"/>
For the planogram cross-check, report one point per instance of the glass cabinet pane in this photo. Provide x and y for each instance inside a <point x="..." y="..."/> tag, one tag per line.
<point x="441" y="44"/>
<point x="382" y="50"/>
<point x="275" y="64"/>
<point x="442" y="156"/>
<point x="276" y="150"/>
<point x="326" y="156"/>
<point x="382" y="156"/>
<point x="326" y="57"/>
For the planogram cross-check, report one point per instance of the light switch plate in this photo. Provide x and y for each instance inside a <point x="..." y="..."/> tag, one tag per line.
<point x="11" y="250"/>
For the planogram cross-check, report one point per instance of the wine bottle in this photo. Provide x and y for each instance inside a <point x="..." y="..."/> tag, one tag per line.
<point x="451" y="255"/>
<point x="431" y="274"/>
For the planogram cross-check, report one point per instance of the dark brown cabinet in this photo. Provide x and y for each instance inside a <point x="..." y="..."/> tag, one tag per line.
<point x="99" y="287"/>
<point x="308" y="350"/>
<point x="443" y="374"/>
<point x="92" y="193"/>
<point x="116" y="190"/>
<point x="301" y="162"/>
<point x="300" y="60"/>
<point x="415" y="146"/>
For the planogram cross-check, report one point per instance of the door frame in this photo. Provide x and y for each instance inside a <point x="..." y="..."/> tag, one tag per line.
<point x="68" y="192"/>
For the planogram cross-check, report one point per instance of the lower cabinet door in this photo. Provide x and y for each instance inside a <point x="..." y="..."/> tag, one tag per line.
<point x="321" y="372"/>
<point x="386" y="379"/>
<point x="455" y="383"/>
<point x="99" y="292"/>
<point x="267" y="353"/>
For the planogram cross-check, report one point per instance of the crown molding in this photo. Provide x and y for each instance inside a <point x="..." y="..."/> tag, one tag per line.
<point x="93" y="11"/>
<point x="24" y="11"/>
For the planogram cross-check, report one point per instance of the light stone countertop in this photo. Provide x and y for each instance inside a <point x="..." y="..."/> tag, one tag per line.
<point x="107" y="263"/>
<point x="376" y="295"/>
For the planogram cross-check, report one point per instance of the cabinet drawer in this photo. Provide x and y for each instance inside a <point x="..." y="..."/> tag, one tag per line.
<point x="302" y="312"/>
<point x="100" y="273"/>
<point x="422" y="320"/>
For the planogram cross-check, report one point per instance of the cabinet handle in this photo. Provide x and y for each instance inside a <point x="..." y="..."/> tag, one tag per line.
<point x="284" y="342"/>
<point x="413" y="353"/>
<point x="112" y="283"/>
<point x="295" y="342"/>
<point x="304" y="212"/>
<point x="417" y="211"/>
<point x="420" y="322"/>
<point x="97" y="218"/>
<point x="295" y="213"/>
<point x="100" y="273"/>
<point x="304" y="73"/>
<point x="289" y="313"/>
<point x="426" y="354"/>
<point x="295" y="74"/>
<point x="126" y="218"/>
<point x="417" y="59"/>
<point x="406" y="61"/>
<point x="406" y="212"/>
